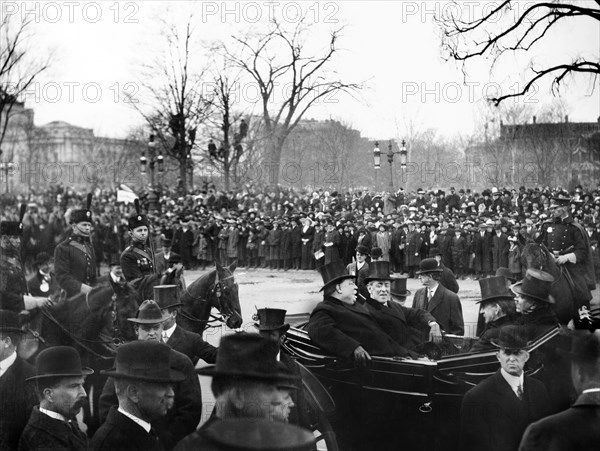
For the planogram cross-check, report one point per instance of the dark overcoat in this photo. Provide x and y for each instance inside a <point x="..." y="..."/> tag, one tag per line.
<point x="445" y="308"/>
<point x="482" y="248"/>
<point x="500" y="246"/>
<point x="75" y="263"/>
<point x="192" y="345"/>
<point x="575" y="428"/>
<point x="494" y="419"/>
<point x="120" y="433"/>
<point x="340" y="328"/>
<point x="412" y="248"/>
<point x="361" y="275"/>
<point x="17" y="399"/>
<point x="43" y="433"/>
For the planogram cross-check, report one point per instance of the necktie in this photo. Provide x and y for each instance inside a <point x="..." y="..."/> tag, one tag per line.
<point x="164" y="337"/>
<point x="520" y="392"/>
<point x="427" y="299"/>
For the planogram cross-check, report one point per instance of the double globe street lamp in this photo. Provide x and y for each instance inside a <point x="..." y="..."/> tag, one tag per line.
<point x="154" y="159"/>
<point x="390" y="157"/>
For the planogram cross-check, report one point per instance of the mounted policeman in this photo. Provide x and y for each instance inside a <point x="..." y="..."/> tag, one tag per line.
<point x="568" y="242"/>
<point x="74" y="258"/>
<point x="137" y="260"/>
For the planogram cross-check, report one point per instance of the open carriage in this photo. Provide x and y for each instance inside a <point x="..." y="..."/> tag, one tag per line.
<point x="398" y="403"/>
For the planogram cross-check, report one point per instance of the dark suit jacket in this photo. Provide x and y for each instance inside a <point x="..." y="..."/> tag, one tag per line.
<point x="407" y="326"/>
<point x="163" y="264"/>
<point x="73" y="266"/>
<point x="448" y="279"/>
<point x="340" y="328"/>
<point x="120" y="433"/>
<point x="183" y="418"/>
<point x="17" y="399"/>
<point x="362" y="273"/>
<point x="575" y="428"/>
<point x="192" y="345"/>
<point x="445" y="308"/>
<point x="494" y="419"/>
<point x="43" y="433"/>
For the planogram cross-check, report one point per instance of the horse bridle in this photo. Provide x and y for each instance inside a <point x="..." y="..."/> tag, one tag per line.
<point x="215" y="290"/>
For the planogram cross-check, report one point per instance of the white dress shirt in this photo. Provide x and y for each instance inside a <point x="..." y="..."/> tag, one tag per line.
<point x="144" y="424"/>
<point x="168" y="332"/>
<point x="514" y="381"/>
<point x="7" y="363"/>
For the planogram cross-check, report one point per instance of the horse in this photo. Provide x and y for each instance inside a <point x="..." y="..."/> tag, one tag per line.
<point x="218" y="289"/>
<point x="95" y="324"/>
<point x="538" y="256"/>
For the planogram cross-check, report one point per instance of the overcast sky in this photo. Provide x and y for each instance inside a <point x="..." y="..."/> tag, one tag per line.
<point x="392" y="46"/>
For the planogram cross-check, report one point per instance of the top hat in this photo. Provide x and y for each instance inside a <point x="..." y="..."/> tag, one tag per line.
<point x="271" y="319"/>
<point x="59" y="361"/>
<point x="248" y="356"/>
<point x="333" y="272"/>
<point x="145" y="361"/>
<point x="166" y="296"/>
<point x="14" y="228"/>
<point x="493" y="288"/>
<point x="536" y="285"/>
<point x="137" y="219"/>
<point x="511" y="337"/>
<point x="429" y="265"/>
<point x="361" y="249"/>
<point x="398" y="287"/>
<point x="149" y="313"/>
<point x="257" y="434"/>
<point x="9" y="321"/>
<point x="83" y="215"/>
<point x="379" y="270"/>
<point x="585" y="347"/>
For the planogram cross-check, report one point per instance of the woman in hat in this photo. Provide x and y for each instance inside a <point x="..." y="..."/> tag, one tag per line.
<point x="534" y="302"/>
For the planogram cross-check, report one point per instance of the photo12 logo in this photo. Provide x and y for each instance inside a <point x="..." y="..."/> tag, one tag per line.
<point x="71" y="12"/>
<point x="254" y="12"/>
<point x="73" y="91"/>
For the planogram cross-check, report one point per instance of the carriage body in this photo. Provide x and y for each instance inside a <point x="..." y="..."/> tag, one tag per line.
<point x="398" y="403"/>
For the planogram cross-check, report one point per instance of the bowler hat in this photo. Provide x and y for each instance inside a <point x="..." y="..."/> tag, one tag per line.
<point x="536" y="285"/>
<point x="493" y="288"/>
<point x="585" y="347"/>
<point x="429" y="265"/>
<point x="379" y="270"/>
<point x="398" y="287"/>
<point x="59" y="361"/>
<point x="333" y="272"/>
<point x="166" y="296"/>
<point x="149" y="313"/>
<point x="271" y="319"/>
<point x="257" y="434"/>
<point x="248" y="356"/>
<point x="511" y="337"/>
<point x="9" y="321"/>
<point x="148" y="361"/>
<point x="166" y="242"/>
<point x="83" y="215"/>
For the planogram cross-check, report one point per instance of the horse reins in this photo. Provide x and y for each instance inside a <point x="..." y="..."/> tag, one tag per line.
<point x="214" y="318"/>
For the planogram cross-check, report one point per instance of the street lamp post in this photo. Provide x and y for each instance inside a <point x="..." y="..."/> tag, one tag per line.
<point x="154" y="159"/>
<point x="390" y="157"/>
<point x="6" y="169"/>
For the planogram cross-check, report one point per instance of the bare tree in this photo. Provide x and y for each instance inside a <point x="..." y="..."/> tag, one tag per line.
<point x="18" y="68"/>
<point x="279" y="58"/>
<point x="467" y="40"/>
<point x="178" y="104"/>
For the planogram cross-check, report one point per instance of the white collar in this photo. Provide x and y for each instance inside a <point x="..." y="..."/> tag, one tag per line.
<point x="360" y="265"/>
<point x="114" y="279"/>
<point x="7" y="362"/>
<point x="167" y="255"/>
<point x="433" y="290"/>
<point x="168" y="332"/>
<point x="144" y="424"/>
<point x="513" y="381"/>
<point x="591" y="390"/>
<point x="55" y="415"/>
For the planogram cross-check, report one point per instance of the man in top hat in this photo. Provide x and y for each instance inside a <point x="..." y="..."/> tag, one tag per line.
<point x="360" y="269"/>
<point x="248" y="383"/>
<point x="137" y="260"/>
<point x="434" y="298"/>
<point x="74" y="258"/>
<point x="185" y="415"/>
<point x="500" y="247"/>
<point x="577" y="427"/>
<point x="179" y="339"/>
<point x="43" y="283"/>
<point x="59" y="380"/>
<point x="412" y="248"/>
<point x="495" y="413"/>
<point x="18" y="396"/>
<point x="167" y="258"/>
<point x="405" y="325"/>
<point x="497" y="309"/>
<point x="143" y="379"/>
<point x="481" y="249"/>
<point x="569" y="244"/>
<point x="343" y="327"/>
<point x="534" y="303"/>
<point x="271" y="325"/>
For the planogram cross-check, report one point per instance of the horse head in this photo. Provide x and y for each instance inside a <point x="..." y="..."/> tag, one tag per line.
<point x="537" y="256"/>
<point x="226" y="293"/>
<point x="124" y="304"/>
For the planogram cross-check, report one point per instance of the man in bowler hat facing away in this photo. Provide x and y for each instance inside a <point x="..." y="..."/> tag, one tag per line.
<point x="185" y="414"/>
<point x="495" y="413"/>
<point x="59" y="380"/>
<point x="575" y="428"/>
<point x="17" y="396"/>
<point x="143" y="378"/>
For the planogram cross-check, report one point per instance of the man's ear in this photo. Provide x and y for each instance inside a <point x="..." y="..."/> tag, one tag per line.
<point x="526" y="355"/>
<point x="133" y="393"/>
